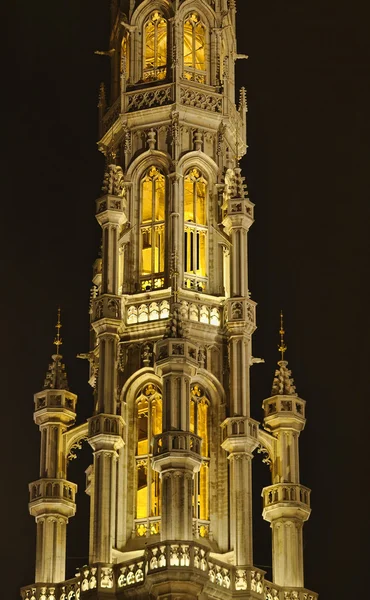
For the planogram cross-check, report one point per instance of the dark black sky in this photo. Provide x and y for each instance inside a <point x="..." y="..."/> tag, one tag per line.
<point x="307" y="171"/>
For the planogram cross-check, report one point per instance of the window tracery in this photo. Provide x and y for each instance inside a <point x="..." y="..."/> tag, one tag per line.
<point x="148" y="490"/>
<point x="152" y="229"/>
<point x="125" y="56"/>
<point x="194" y="49"/>
<point x="196" y="231"/>
<point x="155" y="47"/>
<point x="199" y="424"/>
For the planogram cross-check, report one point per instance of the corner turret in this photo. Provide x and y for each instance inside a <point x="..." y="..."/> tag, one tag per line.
<point x="52" y="497"/>
<point x="286" y="503"/>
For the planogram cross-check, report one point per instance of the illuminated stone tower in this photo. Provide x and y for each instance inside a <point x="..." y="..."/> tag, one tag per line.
<point x="172" y="321"/>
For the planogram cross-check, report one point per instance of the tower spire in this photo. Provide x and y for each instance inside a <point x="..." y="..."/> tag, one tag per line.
<point x="56" y="377"/>
<point x="282" y="347"/>
<point x="283" y="383"/>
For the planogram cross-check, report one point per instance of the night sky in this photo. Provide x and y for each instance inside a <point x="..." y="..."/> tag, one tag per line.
<point x="308" y="174"/>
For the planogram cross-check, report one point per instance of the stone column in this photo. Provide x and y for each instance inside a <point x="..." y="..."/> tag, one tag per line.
<point x="106" y="438"/>
<point x="177" y="450"/>
<point x="286" y="503"/>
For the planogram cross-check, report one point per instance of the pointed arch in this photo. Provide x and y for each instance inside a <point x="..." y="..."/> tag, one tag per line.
<point x="155" y="36"/>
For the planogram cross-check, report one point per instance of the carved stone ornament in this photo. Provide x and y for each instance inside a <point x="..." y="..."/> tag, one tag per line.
<point x="113" y="183"/>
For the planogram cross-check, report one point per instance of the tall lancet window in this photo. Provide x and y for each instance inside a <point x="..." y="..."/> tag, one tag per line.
<point x="199" y="424"/>
<point x="152" y="229"/>
<point x="196" y="230"/>
<point x="155" y="47"/>
<point x="194" y="49"/>
<point x="125" y="56"/>
<point x="148" y="490"/>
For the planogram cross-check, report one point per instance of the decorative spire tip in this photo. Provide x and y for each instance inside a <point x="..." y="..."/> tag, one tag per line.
<point x="282" y="347"/>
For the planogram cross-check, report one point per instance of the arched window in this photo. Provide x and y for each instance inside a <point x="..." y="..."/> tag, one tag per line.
<point x="194" y="49"/>
<point x="155" y="47"/>
<point x="148" y="491"/>
<point x="199" y="424"/>
<point x="195" y="236"/>
<point x="152" y="229"/>
<point x="125" y="55"/>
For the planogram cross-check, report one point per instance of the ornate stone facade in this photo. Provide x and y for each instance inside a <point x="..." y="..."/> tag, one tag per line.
<point x="172" y="320"/>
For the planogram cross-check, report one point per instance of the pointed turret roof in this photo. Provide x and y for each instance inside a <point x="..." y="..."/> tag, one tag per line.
<point x="283" y="384"/>
<point x="56" y="377"/>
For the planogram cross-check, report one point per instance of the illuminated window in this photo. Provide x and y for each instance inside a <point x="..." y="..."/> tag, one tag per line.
<point x="155" y="47"/>
<point x="195" y="236"/>
<point x="148" y="491"/>
<point x="194" y="49"/>
<point x="199" y="424"/>
<point x="125" y="56"/>
<point x="152" y="229"/>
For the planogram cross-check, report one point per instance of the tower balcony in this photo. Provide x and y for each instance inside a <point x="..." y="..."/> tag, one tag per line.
<point x="107" y="306"/>
<point x="177" y="441"/>
<point x="170" y="563"/>
<point x="286" y="500"/>
<point x="284" y="411"/>
<point x="56" y="405"/>
<point x="239" y="434"/>
<point x="48" y="496"/>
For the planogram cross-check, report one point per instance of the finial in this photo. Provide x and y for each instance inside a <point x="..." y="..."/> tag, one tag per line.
<point x="283" y="383"/>
<point x="283" y="347"/>
<point x="56" y="377"/>
<point x="58" y="340"/>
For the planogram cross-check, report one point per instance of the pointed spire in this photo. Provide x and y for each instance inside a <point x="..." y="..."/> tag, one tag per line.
<point x="283" y="384"/>
<point x="56" y="377"/>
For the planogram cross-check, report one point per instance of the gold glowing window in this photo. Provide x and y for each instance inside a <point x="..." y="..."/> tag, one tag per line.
<point x="148" y="491"/>
<point x="152" y="230"/>
<point x="195" y="218"/>
<point x="155" y="47"/>
<point x="125" y="56"/>
<point x="199" y="424"/>
<point x="194" y="48"/>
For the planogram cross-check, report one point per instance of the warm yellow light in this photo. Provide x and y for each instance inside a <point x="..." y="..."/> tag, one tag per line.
<point x="155" y="47"/>
<point x="194" y="45"/>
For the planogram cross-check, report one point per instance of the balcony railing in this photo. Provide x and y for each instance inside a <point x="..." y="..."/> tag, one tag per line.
<point x="172" y="558"/>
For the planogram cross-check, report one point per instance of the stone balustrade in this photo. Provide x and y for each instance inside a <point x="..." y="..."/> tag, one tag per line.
<point x="107" y="306"/>
<point x="284" y="404"/>
<point x="169" y="556"/>
<point x="239" y="426"/>
<point x="55" y="400"/>
<point x="177" y="441"/>
<point x="142" y="99"/>
<point x="291" y="493"/>
<point x="156" y="310"/>
<point x="53" y="490"/>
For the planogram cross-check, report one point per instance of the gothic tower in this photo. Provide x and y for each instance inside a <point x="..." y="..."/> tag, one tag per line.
<point x="172" y="321"/>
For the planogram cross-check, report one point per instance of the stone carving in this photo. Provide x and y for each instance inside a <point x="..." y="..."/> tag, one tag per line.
<point x="198" y="99"/>
<point x="283" y="383"/>
<point x="147" y="354"/>
<point x="241" y="583"/>
<point x="113" y="182"/>
<point x="106" y="580"/>
<point x="114" y="307"/>
<point x="267" y="459"/>
<point x="151" y="139"/>
<point x="237" y="311"/>
<point x="76" y="446"/>
<point x="143" y="100"/>
<point x="202" y="357"/>
<point x="174" y="328"/>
